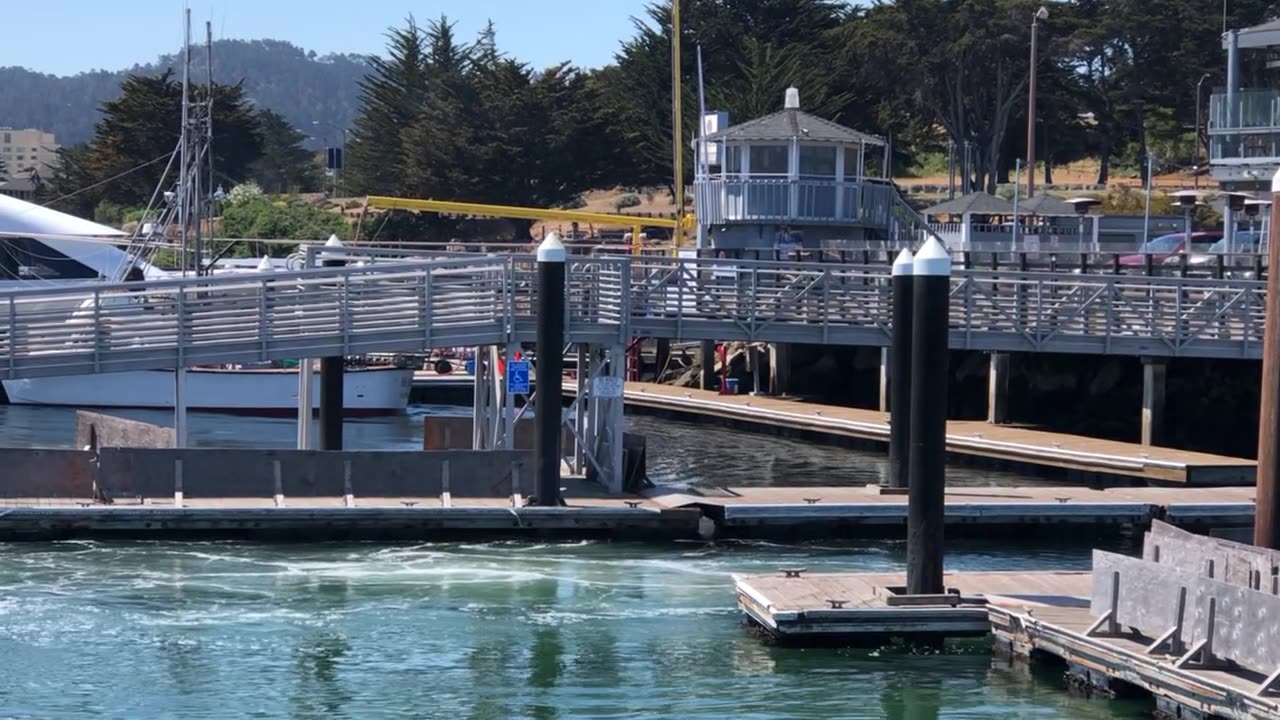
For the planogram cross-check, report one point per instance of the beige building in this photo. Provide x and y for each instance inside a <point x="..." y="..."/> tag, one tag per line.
<point x="23" y="151"/>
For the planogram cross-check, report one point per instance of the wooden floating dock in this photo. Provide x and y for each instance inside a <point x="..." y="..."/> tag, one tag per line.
<point x="822" y="510"/>
<point x="1196" y="623"/>
<point x="330" y="518"/>
<point x="1018" y="446"/>
<point x="859" y="608"/>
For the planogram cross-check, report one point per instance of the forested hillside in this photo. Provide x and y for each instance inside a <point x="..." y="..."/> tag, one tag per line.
<point x="299" y="85"/>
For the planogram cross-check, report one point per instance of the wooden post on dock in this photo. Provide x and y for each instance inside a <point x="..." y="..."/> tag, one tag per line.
<point x="550" y="344"/>
<point x="900" y="371"/>
<point x="927" y="459"/>
<point x="331" y="375"/>
<point x="1266" y="527"/>
<point x="707" y="356"/>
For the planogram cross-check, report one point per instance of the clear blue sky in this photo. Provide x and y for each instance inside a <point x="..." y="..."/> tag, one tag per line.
<point x="64" y="37"/>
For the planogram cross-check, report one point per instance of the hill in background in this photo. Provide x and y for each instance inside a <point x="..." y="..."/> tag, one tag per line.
<point x="302" y="86"/>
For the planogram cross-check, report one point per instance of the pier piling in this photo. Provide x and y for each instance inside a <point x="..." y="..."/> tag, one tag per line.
<point x="931" y="283"/>
<point x="1266" y="529"/>
<point x="331" y="375"/>
<point x="550" y="342"/>
<point x="900" y="371"/>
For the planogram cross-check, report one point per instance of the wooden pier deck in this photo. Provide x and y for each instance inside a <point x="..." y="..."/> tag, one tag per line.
<point x="1019" y="446"/>
<point x="749" y="510"/>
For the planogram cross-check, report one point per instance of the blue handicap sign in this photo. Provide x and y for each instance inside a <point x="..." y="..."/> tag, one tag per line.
<point x="518" y="377"/>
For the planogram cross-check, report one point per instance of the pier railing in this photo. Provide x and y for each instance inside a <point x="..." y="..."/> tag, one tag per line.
<point x="481" y="300"/>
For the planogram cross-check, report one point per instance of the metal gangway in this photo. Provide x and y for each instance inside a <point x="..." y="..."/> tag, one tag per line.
<point x="400" y="304"/>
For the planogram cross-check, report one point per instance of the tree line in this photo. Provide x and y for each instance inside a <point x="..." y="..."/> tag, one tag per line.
<point x="445" y="117"/>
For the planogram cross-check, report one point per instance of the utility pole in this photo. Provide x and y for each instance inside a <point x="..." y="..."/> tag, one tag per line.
<point x="1041" y="14"/>
<point x="677" y="133"/>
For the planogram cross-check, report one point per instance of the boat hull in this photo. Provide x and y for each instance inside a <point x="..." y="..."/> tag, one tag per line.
<point x="259" y="392"/>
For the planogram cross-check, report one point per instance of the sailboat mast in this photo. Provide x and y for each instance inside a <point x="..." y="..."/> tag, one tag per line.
<point x="208" y="121"/>
<point x="185" y="172"/>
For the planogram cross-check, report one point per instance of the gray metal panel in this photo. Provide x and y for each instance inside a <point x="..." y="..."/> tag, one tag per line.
<point x="1233" y="563"/>
<point x="1246" y="626"/>
<point x="250" y="473"/>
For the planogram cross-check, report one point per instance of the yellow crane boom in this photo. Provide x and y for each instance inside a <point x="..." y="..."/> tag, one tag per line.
<point x="516" y="212"/>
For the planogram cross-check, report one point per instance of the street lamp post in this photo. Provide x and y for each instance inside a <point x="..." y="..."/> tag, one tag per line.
<point x="1195" y="153"/>
<point x="1041" y="14"/>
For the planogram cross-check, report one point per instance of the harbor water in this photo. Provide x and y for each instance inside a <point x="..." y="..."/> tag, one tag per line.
<point x="484" y="630"/>
<point x="481" y="630"/>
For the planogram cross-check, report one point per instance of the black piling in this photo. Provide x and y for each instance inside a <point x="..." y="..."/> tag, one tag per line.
<point x="926" y="499"/>
<point x="550" y="345"/>
<point x="900" y="372"/>
<point x="332" y="371"/>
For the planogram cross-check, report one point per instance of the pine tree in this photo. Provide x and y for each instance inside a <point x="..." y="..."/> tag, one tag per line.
<point x="284" y="165"/>
<point x="390" y="100"/>
<point x="137" y="134"/>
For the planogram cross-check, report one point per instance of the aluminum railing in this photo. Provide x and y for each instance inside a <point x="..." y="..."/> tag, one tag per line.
<point x="406" y="307"/>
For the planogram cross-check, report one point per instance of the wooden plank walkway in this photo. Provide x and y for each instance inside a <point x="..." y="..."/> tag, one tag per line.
<point x="854" y="607"/>
<point x="1008" y="443"/>
<point x="778" y="508"/>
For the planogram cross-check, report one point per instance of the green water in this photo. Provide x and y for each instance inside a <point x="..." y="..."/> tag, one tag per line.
<point x="482" y="630"/>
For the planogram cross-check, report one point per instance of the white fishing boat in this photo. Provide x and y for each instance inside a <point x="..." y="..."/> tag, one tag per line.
<point x="250" y="391"/>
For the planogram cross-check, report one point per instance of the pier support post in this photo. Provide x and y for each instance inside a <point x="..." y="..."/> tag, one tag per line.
<point x="899" y="356"/>
<point x="998" y="389"/>
<point x="883" y="395"/>
<point x="707" y="353"/>
<point x="180" y="434"/>
<point x="926" y="495"/>
<point x="661" y="358"/>
<point x="779" y="368"/>
<point x="331" y="375"/>
<point x="1266" y="526"/>
<point x="306" y="402"/>
<point x="549" y="410"/>
<point x="1154" y="371"/>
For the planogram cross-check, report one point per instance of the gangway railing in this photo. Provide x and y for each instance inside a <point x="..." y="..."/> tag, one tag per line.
<point x="474" y="300"/>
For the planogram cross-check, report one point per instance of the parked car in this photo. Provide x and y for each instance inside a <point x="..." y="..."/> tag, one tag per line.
<point x="1247" y="243"/>
<point x="1171" y="246"/>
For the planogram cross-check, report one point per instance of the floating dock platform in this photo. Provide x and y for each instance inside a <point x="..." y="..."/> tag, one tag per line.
<point x="1195" y="623"/>
<point x="966" y="439"/>
<point x="793" y="606"/>
<point x="831" y="511"/>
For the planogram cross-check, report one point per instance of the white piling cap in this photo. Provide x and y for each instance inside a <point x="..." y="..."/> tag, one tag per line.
<point x="1275" y="182"/>
<point x="904" y="264"/>
<point x="932" y="259"/>
<point x="791" y="99"/>
<point x="333" y="241"/>
<point x="551" y="249"/>
<point x="264" y="265"/>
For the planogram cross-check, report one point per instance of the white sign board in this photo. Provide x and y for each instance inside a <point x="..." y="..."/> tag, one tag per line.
<point x="607" y="387"/>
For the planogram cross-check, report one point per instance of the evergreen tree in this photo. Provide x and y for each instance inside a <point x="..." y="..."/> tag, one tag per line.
<point x="137" y="134"/>
<point x="390" y="99"/>
<point x="284" y="165"/>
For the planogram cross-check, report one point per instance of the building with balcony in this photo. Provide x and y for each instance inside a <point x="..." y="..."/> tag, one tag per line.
<point x="794" y="178"/>
<point x="1244" y="116"/>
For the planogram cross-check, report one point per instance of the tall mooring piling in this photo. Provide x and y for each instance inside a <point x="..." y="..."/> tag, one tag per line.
<point x="1266" y="529"/>
<point x="331" y="372"/>
<point x="900" y="371"/>
<point x="550" y="341"/>
<point x="931" y="287"/>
